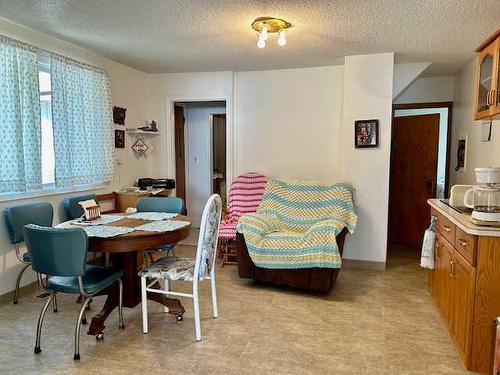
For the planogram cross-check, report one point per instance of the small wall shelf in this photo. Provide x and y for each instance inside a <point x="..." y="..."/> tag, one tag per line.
<point x="140" y="132"/>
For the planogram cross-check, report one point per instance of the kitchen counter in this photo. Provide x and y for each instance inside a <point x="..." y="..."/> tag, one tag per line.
<point x="462" y="220"/>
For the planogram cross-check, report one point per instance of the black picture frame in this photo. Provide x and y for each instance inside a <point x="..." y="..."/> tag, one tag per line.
<point x="366" y="133"/>
<point x="119" y="138"/>
<point x="119" y="115"/>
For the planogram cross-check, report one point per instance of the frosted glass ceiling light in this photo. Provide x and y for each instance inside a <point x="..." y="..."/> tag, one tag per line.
<point x="270" y="25"/>
<point x="282" y="38"/>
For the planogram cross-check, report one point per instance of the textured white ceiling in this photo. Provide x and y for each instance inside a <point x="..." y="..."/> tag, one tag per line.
<point x="208" y="35"/>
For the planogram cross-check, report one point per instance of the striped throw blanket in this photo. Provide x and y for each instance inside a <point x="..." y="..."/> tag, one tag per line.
<point x="244" y="197"/>
<point x="297" y="223"/>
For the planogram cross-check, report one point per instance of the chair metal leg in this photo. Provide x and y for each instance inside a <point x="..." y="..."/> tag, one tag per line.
<point x="40" y="322"/>
<point x="77" y="329"/>
<point x="166" y="287"/>
<point x="120" y="305"/>
<point x="54" y="303"/>
<point x="18" y="281"/>
<point x="144" y="304"/>
<point x="213" y="289"/>
<point x="196" y="308"/>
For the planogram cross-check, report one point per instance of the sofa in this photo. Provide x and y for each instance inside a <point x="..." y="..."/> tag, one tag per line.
<point x="296" y="237"/>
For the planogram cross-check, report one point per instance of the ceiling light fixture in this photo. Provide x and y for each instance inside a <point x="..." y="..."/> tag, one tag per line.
<point x="268" y="25"/>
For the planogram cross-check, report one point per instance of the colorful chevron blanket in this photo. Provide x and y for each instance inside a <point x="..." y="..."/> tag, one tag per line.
<point x="297" y="223"/>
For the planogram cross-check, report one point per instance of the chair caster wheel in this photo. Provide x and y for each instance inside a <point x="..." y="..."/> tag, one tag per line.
<point x="179" y="318"/>
<point x="76" y="357"/>
<point x="37" y="350"/>
<point x="99" y="336"/>
<point x="122" y="326"/>
<point x="15" y="302"/>
<point x="84" y="321"/>
<point x="55" y="310"/>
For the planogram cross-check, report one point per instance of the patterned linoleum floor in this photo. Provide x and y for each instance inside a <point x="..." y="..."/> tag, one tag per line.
<point x="371" y="323"/>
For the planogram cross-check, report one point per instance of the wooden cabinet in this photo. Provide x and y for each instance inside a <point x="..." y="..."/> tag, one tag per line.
<point x="465" y="286"/>
<point x="463" y="276"/>
<point x="488" y="78"/>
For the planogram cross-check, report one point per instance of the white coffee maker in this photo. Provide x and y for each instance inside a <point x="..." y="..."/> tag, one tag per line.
<point x="484" y="198"/>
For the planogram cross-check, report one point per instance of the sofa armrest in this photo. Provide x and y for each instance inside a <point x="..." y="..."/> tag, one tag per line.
<point x="258" y="224"/>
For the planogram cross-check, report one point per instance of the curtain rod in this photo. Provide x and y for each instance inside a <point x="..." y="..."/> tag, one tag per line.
<point x="55" y="54"/>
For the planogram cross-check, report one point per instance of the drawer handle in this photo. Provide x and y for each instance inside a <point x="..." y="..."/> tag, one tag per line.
<point x="446" y="228"/>
<point x="462" y="242"/>
<point x="452" y="265"/>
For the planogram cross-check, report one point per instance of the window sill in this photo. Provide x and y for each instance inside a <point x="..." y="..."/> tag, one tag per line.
<point x="50" y="192"/>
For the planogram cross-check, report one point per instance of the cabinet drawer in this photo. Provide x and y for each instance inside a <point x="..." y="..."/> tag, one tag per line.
<point x="466" y="245"/>
<point x="444" y="226"/>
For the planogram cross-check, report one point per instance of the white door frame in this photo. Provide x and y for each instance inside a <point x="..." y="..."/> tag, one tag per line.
<point x="170" y="131"/>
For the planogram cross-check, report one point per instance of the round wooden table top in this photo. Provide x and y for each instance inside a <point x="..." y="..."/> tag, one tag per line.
<point x="138" y="239"/>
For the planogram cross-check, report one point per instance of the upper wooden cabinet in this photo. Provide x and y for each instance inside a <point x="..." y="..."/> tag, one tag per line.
<point x="488" y="78"/>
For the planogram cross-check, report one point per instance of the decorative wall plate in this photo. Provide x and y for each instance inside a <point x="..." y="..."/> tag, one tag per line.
<point x="140" y="147"/>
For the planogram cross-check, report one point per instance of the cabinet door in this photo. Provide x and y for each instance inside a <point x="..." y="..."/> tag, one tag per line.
<point x="442" y="279"/>
<point x="486" y="76"/>
<point x="496" y="76"/>
<point x="463" y="276"/>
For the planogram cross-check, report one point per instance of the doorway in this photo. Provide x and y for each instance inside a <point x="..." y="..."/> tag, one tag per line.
<point x="200" y="153"/>
<point x="419" y="169"/>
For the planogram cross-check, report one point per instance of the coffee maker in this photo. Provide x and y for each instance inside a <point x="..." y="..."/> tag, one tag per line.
<point x="484" y="198"/>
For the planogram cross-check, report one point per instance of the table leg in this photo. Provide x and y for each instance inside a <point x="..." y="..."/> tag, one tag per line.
<point x="127" y="262"/>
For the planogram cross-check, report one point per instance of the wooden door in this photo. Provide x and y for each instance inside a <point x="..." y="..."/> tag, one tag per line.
<point x="219" y="155"/>
<point x="414" y="160"/>
<point x="180" y="157"/>
<point x="463" y="278"/>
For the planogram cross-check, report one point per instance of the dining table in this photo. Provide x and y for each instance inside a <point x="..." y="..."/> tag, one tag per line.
<point x="126" y="254"/>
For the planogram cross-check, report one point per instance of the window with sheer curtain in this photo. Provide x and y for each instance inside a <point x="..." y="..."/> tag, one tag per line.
<point x="55" y="120"/>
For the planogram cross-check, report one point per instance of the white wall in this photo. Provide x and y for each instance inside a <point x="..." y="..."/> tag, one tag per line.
<point x="426" y="90"/>
<point x="199" y="156"/>
<point x="130" y="89"/>
<point x="479" y="154"/>
<point x="368" y="95"/>
<point x="287" y="122"/>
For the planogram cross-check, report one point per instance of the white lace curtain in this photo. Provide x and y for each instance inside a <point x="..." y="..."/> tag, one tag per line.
<point x="20" y="153"/>
<point x="82" y="123"/>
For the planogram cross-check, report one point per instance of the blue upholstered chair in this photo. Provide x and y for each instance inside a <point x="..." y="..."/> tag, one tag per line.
<point x="72" y="209"/>
<point x="191" y="270"/>
<point x="173" y="205"/>
<point x="16" y="217"/>
<point x="61" y="254"/>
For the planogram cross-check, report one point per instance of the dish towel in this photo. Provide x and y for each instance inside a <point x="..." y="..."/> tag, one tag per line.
<point x="427" y="256"/>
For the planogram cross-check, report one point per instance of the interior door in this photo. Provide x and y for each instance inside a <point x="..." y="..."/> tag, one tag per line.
<point x="180" y="157"/>
<point x="219" y="155"/>
<point x="414" y="160"/>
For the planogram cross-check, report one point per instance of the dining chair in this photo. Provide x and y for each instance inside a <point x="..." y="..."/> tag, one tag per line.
<point x="61" y="254"/>
<point x="16" y="217"/>
<point x="172" y="205"/>
<point x="72" y="209"/>
<point x="191" y="270"/>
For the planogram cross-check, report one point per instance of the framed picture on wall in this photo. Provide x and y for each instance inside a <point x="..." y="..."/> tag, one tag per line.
<point x="119" y="138"/>
<point x="366" y="133"/>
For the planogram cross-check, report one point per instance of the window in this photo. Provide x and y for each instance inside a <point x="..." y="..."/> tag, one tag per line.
<point x="46" y="121"/>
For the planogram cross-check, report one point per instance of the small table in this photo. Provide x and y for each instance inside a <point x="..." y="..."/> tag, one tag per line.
<point x="124" y="253"/>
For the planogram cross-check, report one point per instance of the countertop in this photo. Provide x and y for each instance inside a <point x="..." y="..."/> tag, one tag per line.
<point x="462" y="220"/>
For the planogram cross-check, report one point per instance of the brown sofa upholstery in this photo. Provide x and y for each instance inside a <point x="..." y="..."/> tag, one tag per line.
<point x="315" y="279"/>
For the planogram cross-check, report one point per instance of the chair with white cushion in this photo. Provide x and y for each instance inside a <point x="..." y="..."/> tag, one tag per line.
<point x="191" y="270"/>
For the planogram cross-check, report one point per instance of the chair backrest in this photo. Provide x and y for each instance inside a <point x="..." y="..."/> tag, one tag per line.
<point x="298" y="204"/>
<point x="207" y="240"/>
<point x="245" y="195"/>
<point x="56" y="252"/>
<point x="16" y="217"/>
<point x="72" y="209"/>
<point x="172" y="205"/>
